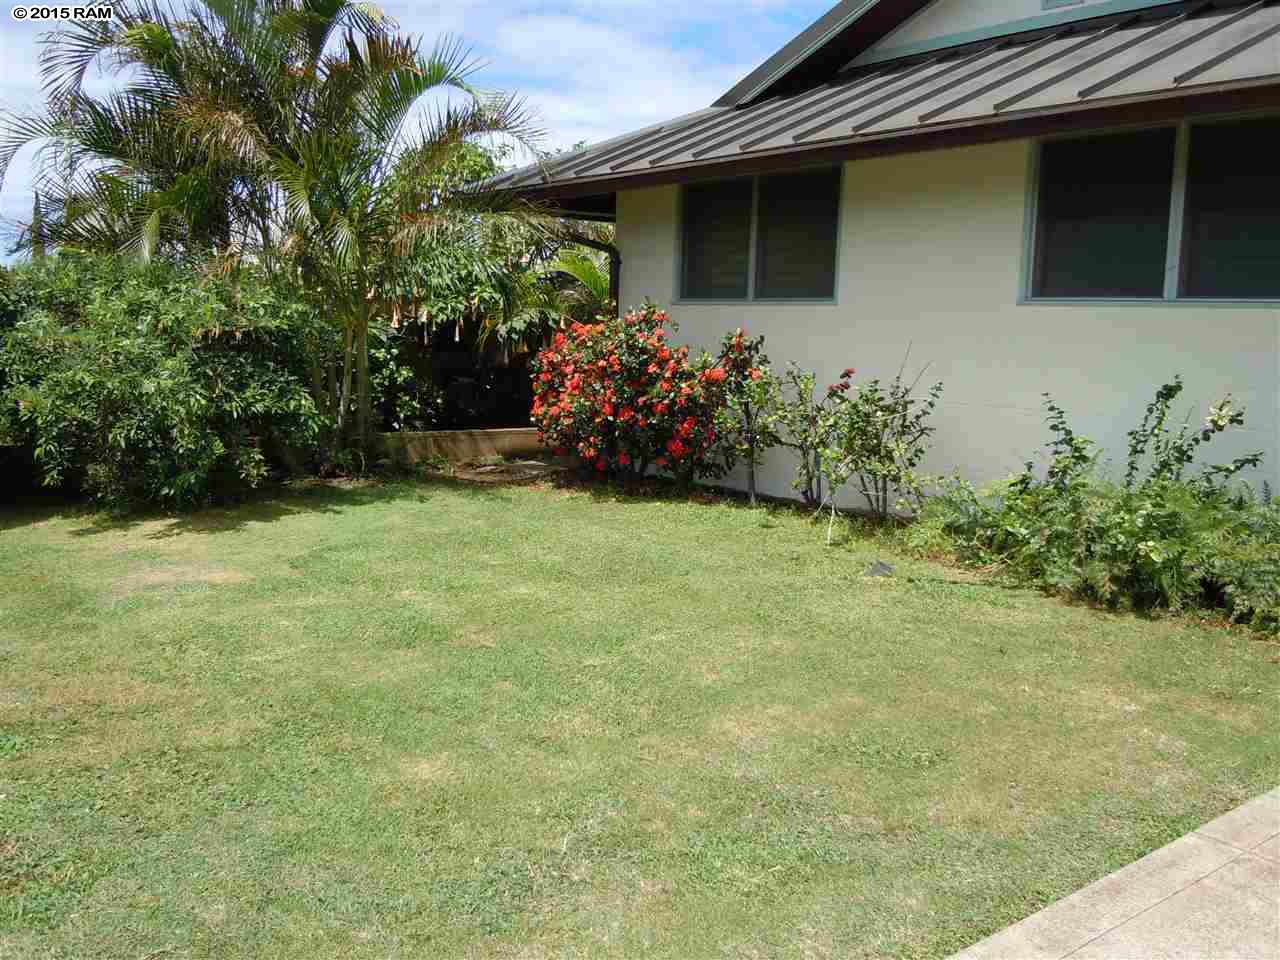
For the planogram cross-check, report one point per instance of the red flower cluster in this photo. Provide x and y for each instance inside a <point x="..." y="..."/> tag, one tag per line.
<point x="842" y="385"/>
<point x="617" y="394"/>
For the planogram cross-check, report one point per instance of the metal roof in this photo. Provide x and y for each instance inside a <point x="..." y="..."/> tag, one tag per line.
<point x="1130" y="59"/>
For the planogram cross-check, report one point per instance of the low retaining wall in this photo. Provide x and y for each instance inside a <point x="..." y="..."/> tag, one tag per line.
<point x="462" y="445"/>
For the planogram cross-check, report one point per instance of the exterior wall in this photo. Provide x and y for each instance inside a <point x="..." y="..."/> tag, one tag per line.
<point x="931" y="252"/>
<point x="963" y="21"/>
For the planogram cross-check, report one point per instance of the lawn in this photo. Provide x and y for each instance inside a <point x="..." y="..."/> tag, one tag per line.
<point x="433" y="720"/>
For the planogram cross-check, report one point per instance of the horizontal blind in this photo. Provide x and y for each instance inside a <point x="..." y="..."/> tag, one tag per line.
<point x="796" y="227"/>
<point x="1103" y="215"/>
<point x="717" y="240"/>
<point x="1232" y="220"/>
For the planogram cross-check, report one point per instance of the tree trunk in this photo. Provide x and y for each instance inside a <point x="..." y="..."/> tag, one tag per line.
<point x="344" y="395"/>
<point x="364" y="398"/>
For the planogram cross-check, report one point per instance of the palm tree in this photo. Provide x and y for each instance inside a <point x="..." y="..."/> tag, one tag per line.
<point x="362" y="195"/>
<point x="588" y="295"/>
<point x="276" y="130"/>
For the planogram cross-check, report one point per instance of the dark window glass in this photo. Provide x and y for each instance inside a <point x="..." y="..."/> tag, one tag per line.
<point x="796" y="229"/>
<point x="1232" y="221"/>
<point x="1104" y="215"/>
<point x="717" y="240"/>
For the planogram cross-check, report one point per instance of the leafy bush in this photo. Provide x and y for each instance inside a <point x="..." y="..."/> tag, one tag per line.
<point x="404" y="398"/>
<point x="878" y="435"/>
<point x="616" y="393"/>
<point x="154" y="384"/>
<point x="1155" y="540"/>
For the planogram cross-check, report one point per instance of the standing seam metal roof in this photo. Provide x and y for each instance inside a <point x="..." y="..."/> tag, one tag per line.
<point x="1204" y="48"/>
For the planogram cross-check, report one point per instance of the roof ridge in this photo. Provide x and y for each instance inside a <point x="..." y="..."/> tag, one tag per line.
<point x="799" y="48"/>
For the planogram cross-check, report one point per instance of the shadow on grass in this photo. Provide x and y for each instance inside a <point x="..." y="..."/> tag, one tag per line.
<point x="267" y="506"/>
<point x="27" y="509"/>
<point x="317" y="496"/>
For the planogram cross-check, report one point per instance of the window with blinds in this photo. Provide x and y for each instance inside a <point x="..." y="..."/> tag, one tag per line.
<point x="796" y="236"/>
<point x="1175" y="213"/>
<point x="717" y="240"/>
<point x="1104" y="215"/>
<point x="1231" y="236"/>
<point x="766" y="238"/>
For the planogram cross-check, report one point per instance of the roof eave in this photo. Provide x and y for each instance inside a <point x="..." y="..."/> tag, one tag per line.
<point x="1262" y="94"/>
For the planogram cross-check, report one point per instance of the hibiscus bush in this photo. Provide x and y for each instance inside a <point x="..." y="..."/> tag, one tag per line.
<point x="619" y="395"/>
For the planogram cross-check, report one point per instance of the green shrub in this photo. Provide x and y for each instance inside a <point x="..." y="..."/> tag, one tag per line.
<point x="747" y="423"/>
<point x="802" y="422"/>
<point x="877" y="436"/>
<point x="1156" y="540"/>
<point x="155" y="384"/>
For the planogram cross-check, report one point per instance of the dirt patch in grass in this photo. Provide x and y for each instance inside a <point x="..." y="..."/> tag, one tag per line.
<point x="178" y="575"/>
<point x="225" y="733"/>
<point x="431" y="770"/>
<point x="572" y="725"/>
<point x="104" y="694"/>
<point x="474" y="638"/>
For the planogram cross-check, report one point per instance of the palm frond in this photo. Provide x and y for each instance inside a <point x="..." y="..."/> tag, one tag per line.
<point x="18" y="130"/>
<point x="227" y="135"/>
<point x="588" y="270"/>
<point x="316" y="22"/>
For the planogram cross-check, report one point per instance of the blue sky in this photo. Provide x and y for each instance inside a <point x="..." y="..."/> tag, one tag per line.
<point x="590" y="69"/>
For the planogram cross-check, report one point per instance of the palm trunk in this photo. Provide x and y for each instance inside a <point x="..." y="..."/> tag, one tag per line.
<point x="364" y="394"/>
<point x="344" y="395"/>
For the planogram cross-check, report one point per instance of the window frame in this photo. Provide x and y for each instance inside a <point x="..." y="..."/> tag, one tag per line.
<point x="1174" y="276"/>
<point x="753" y="236"/>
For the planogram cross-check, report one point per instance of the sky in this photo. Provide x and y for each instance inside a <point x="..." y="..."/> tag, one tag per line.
<point x="588" y="69"/>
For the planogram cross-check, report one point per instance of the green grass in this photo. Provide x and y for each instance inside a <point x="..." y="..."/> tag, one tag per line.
<point x="440" y="721"/>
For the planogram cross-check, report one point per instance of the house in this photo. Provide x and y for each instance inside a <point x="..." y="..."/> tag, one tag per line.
<point x="1079" y="197"/>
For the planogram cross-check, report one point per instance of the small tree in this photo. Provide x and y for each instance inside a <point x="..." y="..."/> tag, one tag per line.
<point x="879" y="436"/>
<point x="752" y="401"/>
<point x="803" y="424"/>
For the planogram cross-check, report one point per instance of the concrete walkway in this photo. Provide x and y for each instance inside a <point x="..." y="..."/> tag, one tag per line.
<point x="1212" y="895"/>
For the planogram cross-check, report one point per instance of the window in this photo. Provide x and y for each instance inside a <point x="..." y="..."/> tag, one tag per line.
<point x="796" y="247"/>
<point x="765" y="238"/>
<point x="1160" y="214"/>
<point x="1104" y="215"/>
<point x="1231" y="239"/>
<point x="717" y="240"/>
